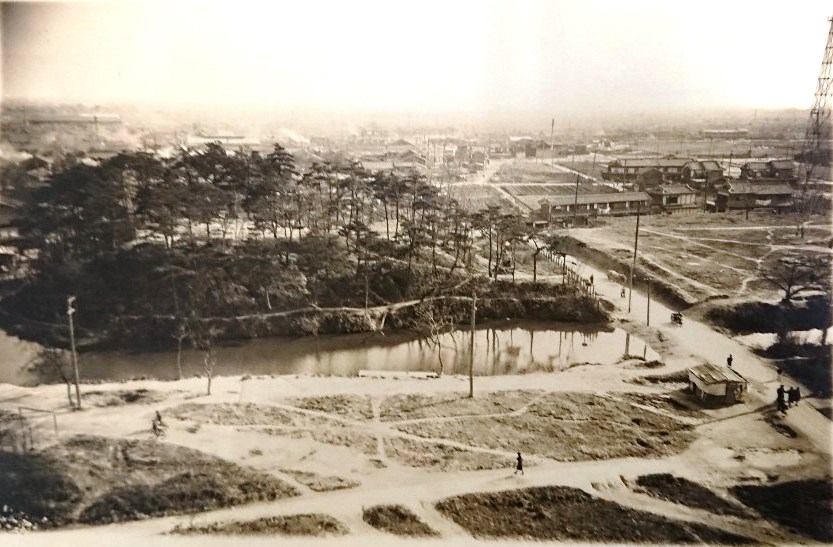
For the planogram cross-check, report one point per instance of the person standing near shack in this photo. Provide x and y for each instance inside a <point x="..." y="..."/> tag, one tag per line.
<point x="797" y="394"/>
<point x="520" y="465"/>
<point x="790" y="396"/>
<point x="779" y="399"/>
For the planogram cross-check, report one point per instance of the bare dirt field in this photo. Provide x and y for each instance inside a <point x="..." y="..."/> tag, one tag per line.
<point x="320" y="483"/>
<point x="474" y="197"/>
<point x="710" y="254"/>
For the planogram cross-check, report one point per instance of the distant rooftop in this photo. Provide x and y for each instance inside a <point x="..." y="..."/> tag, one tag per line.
<point x="75" y="118"/>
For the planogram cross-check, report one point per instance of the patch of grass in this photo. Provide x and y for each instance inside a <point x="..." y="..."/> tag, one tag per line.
<point x="244" y="414"/>
<point x="568" y="514"/>
<point x="569" y="427"/>
<point x="320" y="483"/>
<point x="803" y="506"/>
<point x="683" y="491"/>
<point x="665" y="403"/>
<point x="187" y="492"/>
<point x="232" y="414"/>
<point x="39" y="486"/>
<point x="396" y="519"/>
<point x="310" y="524"/>
<point x="122" y="396"/>
<point x="441" y="456"/>
<point x="415" y="406"/>
<point x="356" y="407"/>
<point x="98" y="480"/>
<point x="338" y="436"/>
<point x="646" y="364"/>
<point x="679" y="377"/>
<point x="754" y="316"/>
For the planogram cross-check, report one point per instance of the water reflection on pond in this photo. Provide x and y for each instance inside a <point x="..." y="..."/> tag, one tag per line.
<point x="505" y="348"/>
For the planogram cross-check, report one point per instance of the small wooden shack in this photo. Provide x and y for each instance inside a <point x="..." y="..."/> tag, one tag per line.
<point x="716" y="384"/>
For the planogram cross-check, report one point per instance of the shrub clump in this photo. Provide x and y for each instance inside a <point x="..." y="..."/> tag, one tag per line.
<point x="803" y="506"/>
<point x="568" y="514"/>
<point x="396" y="519"/>
<point x="310" y="524"/>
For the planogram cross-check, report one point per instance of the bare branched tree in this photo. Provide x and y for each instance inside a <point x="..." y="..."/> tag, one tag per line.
<point x="52" y="365"/>
<point x="433" y="319"/>
<point x="795" y="275"/>
<point x="202" y="337"/>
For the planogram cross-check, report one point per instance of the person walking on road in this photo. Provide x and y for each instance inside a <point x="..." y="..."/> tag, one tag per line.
<point x="519" y="467"/>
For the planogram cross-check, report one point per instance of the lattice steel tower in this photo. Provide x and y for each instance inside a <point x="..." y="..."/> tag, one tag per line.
<point x="817" y="141"/>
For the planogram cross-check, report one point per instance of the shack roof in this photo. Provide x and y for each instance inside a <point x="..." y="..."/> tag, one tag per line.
<point x="712" y="374"/>
<point x="650" y="162"/>
<point x="584" y="199"/>
<point x="782" y="164"/>
<point x="672" y="190"/>
<point x="757" y="189"/>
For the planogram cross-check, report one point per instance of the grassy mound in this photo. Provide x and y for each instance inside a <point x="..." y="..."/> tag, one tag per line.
<point x="572" y="427"/>
<point x="803" y="506"/>
<point x="356" y="407"/>
<point x="754" y="316"/>
<point x="679" y="377"/>
<point x="563" y="513"/>
<point x="396" y="519"/>
<point x="39" y="486"/>
<point x="97" y="480"/>
<point x="442" y="456"/>
<point x="188" y="492"/>
<point x="320" y="483"/>
<point x="415" y="406"/>
<point x="122" y="397"/>
<point x="683" y="491"/>
<point x="310" y="524"/>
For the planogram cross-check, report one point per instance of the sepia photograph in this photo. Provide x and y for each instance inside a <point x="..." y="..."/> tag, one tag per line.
<point x="454" y="272"/>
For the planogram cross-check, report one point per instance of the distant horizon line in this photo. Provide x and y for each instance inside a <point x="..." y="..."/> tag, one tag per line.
<point x="248" y="106"/>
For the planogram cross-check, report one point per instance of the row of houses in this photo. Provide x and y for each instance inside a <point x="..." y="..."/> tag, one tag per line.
<point x="560" y="208"/>
<point x="667" y="169"/>
<point x="690" y="171"/>
<point x="734" y="195"/>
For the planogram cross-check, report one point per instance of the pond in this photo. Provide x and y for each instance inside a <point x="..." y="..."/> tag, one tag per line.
<point x="503" y="348"/>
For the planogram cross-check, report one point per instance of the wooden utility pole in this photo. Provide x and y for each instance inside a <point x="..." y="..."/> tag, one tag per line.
<point x="70" y="312"/>
<point x="552" y="142"/>
<point x="648" y="321"/>
<point x="471" y="344"/>
<point x="575" y="202"/>
<point x="635" y="245"/>
<point x="593" y="166"/>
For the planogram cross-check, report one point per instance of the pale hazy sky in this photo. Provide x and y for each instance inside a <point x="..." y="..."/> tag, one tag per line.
<point x="425" y="56"/>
